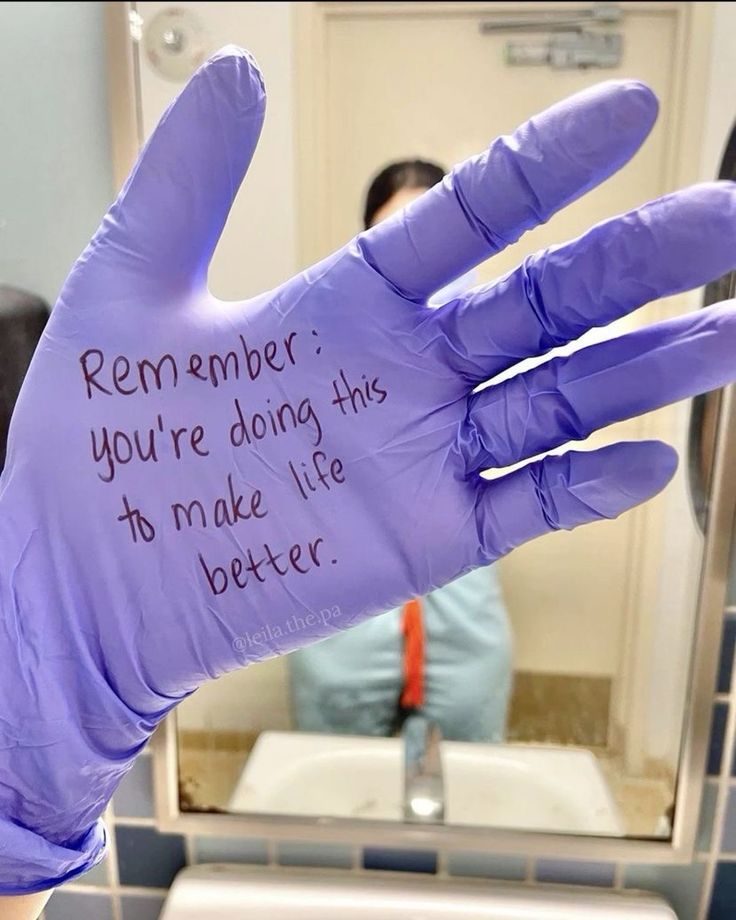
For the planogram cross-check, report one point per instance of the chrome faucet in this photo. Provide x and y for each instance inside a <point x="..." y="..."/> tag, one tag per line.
<point x="424" y="793"/>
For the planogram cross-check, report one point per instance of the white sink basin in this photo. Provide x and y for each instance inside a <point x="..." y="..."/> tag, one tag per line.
<point x="494" y="785"/>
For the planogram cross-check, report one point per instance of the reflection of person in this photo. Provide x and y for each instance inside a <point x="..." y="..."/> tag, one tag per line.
<point x="446" y="655"/>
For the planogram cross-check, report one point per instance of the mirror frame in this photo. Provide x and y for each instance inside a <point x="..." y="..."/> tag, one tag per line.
<point x="691" y="773"/>
<point x="694" y="31"/>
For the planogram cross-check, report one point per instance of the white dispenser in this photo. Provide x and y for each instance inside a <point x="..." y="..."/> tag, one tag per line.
<point x="224" y="892"/>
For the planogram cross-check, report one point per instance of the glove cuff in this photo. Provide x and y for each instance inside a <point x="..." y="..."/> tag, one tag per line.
<point x="28" y="863"/>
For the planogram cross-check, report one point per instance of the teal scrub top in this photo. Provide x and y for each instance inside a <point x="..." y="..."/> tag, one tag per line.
<point x="351" y="682"/>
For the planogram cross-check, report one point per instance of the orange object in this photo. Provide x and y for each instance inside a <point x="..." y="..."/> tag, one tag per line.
<point x="412" y="628"/>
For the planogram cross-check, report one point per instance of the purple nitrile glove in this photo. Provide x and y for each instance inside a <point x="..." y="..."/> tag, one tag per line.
<point x="192" y="485"/>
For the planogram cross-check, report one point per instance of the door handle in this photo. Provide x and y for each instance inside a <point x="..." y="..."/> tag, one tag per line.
<point x="555" y="20"/>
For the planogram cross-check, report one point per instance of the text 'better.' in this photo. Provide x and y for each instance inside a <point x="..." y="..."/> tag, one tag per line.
<point x="159" y="442"/>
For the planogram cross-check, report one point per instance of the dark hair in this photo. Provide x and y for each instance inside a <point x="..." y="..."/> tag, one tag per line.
<point x="396" y="176"/>
<point x="22" y="320"/>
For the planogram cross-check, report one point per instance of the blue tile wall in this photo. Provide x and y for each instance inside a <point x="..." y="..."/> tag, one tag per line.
<point x="132" y="883"/>
<point x="707" y="817"/>
<point x="146" y="858"/>
<point x="98" y="877"/>
<point x="320" y="855"/>
<point x="73" y="905"/>
<point x="728" y="644"/>
<point x="717" y="738"/>
<point x="134" y="798"/>
<point x="731" y="590"/>
<point x="230" y="850"/>
<point x="728" y="839"/>
<point x="574" y="872"/>
<point x="486" y="865"/>
<point x="399" y="860"/>
<point x="723" y="902"/>
<point x="141" y="907"/>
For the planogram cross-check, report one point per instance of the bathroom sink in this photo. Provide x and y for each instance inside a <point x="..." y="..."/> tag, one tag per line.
<point x="528" y="788"/>
<point x="549" y="788"/>
<point x="220" y="892"/>
<point x="298" y="773"/>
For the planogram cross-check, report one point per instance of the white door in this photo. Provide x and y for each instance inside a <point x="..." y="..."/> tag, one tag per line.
<point x="355" y="85"/>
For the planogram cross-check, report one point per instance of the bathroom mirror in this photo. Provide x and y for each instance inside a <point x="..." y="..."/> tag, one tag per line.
<point x="560" y="691"/>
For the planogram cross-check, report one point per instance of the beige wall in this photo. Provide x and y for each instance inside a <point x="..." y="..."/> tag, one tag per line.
<point x="252" y="699"/>
<point x="258" y="248"/>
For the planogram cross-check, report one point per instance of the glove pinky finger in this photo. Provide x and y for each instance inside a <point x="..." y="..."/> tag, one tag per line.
<point x="563" y="492"/>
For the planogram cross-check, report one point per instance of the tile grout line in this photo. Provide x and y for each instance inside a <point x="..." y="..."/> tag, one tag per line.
<point x="85" y="889"/>
<point x="113" y="875"/>
<point x="190" y="855"/>
<point x="706" y="892"/>
<point x="142" y="892"/>
<point x="129" y="821"/>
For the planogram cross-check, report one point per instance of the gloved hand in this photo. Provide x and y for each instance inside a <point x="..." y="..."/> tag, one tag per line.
<point x="192" y="485"/>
